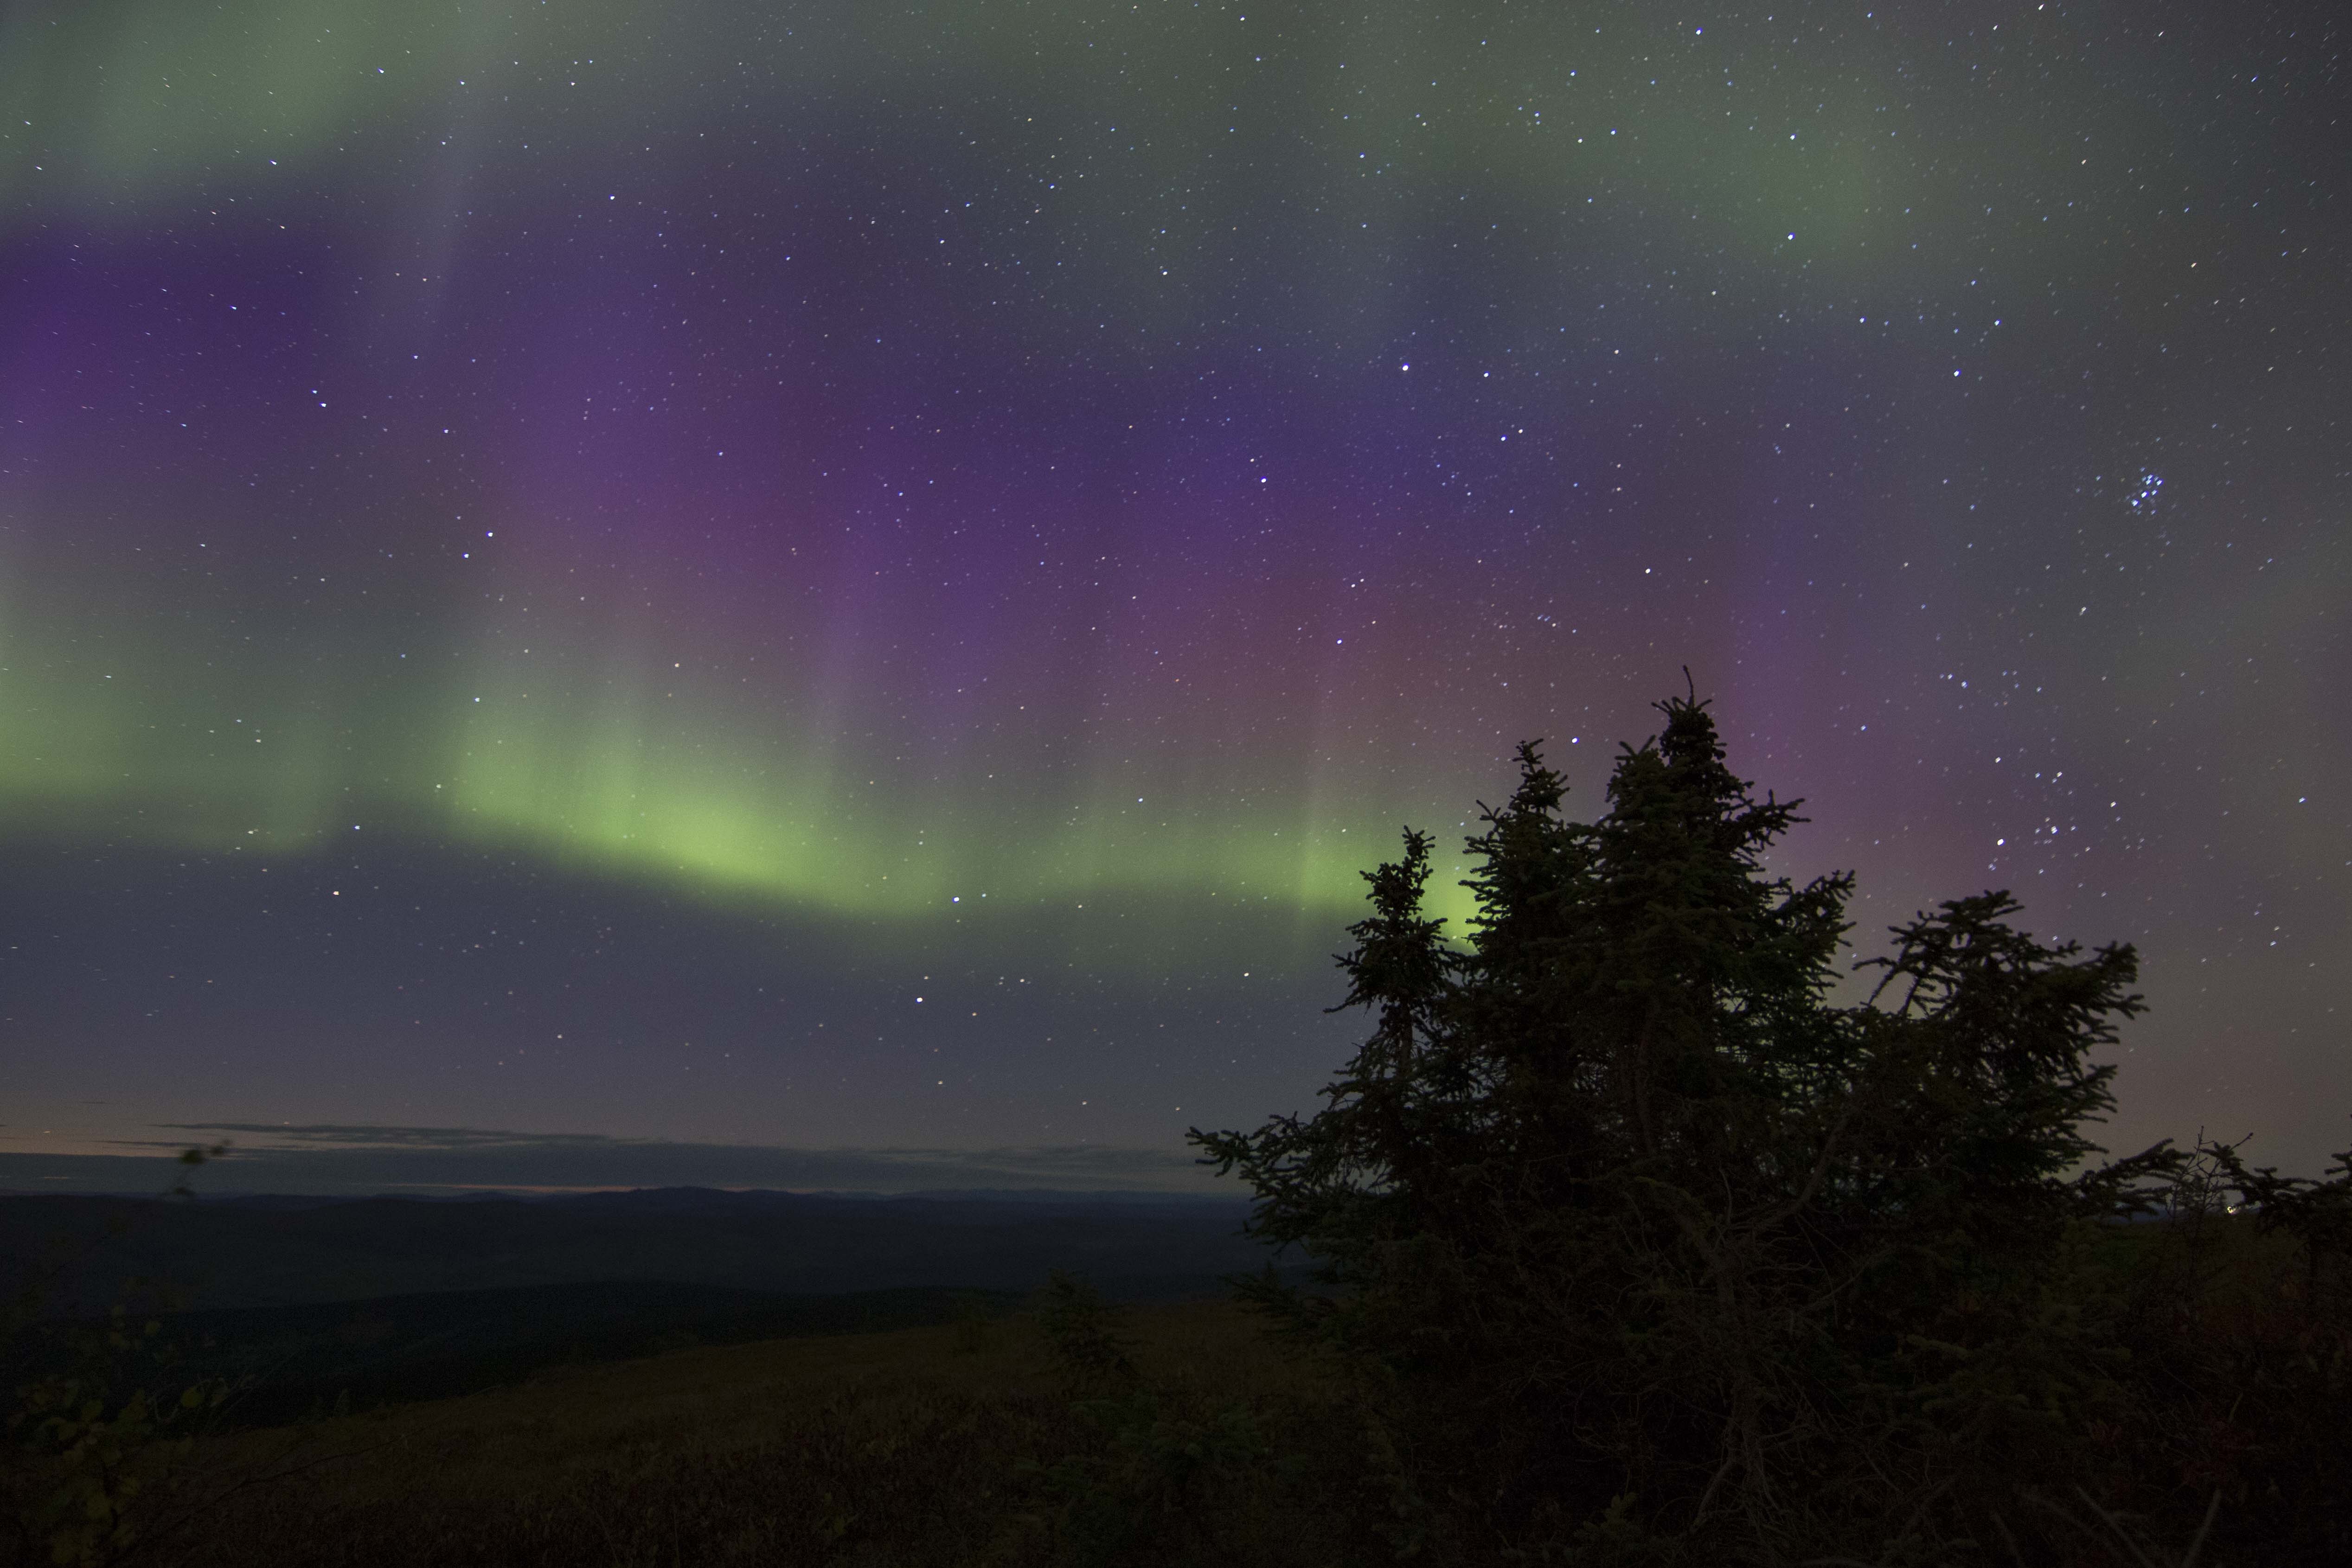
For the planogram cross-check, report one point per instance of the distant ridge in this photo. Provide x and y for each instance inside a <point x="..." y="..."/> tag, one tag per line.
<point x="289" y="1361"/>
<point x="1063" y="1197"/>
<point x="281" y="1250"/>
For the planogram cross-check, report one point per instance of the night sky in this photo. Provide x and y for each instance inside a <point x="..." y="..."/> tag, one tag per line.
<point x="835" y="595"/>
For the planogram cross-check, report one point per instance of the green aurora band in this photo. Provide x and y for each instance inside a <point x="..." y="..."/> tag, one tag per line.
<point x="115" y="729"/>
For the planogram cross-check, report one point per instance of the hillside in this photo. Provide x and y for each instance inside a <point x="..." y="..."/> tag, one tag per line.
<point x="947" y="1445"/>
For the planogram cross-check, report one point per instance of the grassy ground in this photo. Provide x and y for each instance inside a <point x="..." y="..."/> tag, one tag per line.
<point x="956" y="1445"/>
<point x="987" y="1442"/>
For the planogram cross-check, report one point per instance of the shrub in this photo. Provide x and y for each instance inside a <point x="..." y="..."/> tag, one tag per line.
<point x="96" y="1462"/>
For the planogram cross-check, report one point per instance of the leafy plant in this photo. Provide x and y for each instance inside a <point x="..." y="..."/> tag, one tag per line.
<point x="96" y="1463"/>
<point x="97" y="1459"/>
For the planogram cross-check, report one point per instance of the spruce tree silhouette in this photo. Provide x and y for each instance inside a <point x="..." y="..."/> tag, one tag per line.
<point x="1658" y="1244"/>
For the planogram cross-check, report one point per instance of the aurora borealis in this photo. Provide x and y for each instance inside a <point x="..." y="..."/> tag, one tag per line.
<point x="561" y="564"/>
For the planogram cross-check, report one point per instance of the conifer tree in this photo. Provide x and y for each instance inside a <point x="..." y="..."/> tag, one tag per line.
<point x="1636" y="1215"/>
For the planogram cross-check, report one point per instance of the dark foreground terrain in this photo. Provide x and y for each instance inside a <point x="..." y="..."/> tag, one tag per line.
<point x="967" y="1444"/>
<point x="642" y="1423"/>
